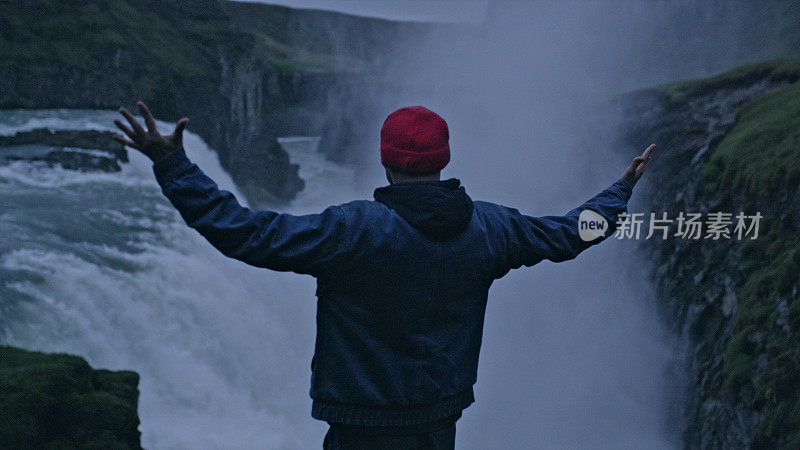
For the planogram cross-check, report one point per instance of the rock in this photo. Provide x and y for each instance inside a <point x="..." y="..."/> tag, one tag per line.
<point x="83" y="160"/>
<point x="85" y="150"/>
<point x="729" y="300"/>
<point x="85" y="139"/>
<point x="59" y="401"/>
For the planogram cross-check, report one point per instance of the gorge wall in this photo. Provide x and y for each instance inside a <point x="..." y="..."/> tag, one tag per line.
<point x="730" y="143"/>
<point x="244" y="73"/>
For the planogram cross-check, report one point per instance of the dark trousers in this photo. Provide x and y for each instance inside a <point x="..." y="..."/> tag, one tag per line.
<point x="439" y="435"/>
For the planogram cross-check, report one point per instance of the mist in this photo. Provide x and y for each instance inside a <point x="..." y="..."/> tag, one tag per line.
<point x="573" y="355"/>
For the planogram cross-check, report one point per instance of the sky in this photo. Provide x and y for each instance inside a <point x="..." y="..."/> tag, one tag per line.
<point x="415" y="10"/>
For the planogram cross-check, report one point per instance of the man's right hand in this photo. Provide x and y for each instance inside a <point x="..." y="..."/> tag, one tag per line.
<point x="636" y="169"/>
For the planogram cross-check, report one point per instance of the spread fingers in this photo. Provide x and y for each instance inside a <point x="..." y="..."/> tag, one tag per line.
<point x="124" y="141"/>
<point x="137" y="128"/>
<point x="148" y="118"/>
<point x="125" y="129"/>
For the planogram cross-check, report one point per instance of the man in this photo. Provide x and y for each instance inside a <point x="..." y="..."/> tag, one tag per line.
<point x="402" y="281"/>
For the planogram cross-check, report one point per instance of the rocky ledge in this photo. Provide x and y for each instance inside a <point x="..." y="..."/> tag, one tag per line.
<point x="729" y="143"/>
<point x="59" y="401"/>
<point x="85" y="150"/>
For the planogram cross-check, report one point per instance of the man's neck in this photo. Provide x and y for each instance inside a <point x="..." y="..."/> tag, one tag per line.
<point x="397" y="177"/>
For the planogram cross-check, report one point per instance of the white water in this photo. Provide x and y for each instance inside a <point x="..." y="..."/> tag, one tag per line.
<point x="100" y="265"/>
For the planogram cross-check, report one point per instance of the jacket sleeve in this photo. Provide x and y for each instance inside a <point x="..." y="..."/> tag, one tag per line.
<point x="557" y="238"/>
<point x="304" y="244"/>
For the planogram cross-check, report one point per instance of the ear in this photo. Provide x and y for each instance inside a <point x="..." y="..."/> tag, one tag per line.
<point x="389" y="175"/>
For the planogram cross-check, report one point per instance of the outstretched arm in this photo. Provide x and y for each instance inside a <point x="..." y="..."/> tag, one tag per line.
<point x="561" y="238"/>
<point x="303" y="244"/>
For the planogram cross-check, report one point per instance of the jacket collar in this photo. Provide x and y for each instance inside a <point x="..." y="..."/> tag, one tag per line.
<point x="439" y="209"/>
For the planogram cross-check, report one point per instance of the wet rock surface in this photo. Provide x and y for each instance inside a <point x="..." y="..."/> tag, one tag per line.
<point x="84" y="150"/>
<point x="59" y="401"/>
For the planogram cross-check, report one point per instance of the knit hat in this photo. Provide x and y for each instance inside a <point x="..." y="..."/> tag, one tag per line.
<point x="414" y="139"/>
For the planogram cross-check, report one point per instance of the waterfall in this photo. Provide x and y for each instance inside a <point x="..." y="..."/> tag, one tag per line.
<point x="101" y="265"/>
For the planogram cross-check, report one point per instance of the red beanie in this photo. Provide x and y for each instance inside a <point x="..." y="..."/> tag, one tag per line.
<point x="414" y="139"/>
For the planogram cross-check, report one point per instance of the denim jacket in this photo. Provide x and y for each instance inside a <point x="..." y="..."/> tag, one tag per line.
<point x="402" y="282"/>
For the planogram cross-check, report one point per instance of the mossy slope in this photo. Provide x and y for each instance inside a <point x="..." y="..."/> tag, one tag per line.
<point x="760" y="154"/>
<point x="58" y="401"/>
<point x="756" y="165"/>
<point x="731" y="143"/>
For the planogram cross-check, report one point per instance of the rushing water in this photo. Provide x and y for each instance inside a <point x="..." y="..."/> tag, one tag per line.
<point x="101" y="265"/>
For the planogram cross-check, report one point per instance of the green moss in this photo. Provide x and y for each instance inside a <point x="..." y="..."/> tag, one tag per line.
<point x="45" y="35"/>
<point x="777" y="387"/>
<point x="679" y="92"/>
<point x="737" y="371"/>
<point x="160" y="38"/>
<point x="59" y="401"/>
<point x="770" y="265"/>
<point x="760" y="154"/>
<point x="770" y="262"/>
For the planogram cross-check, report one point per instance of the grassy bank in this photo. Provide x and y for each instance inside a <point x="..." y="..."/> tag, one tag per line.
<point x="757" y="163"/>
<point x="59" y="401"/>
<point x="754" y="167"/>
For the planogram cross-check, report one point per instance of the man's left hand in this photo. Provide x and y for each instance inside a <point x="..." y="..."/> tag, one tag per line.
<point x="150" y="141"/>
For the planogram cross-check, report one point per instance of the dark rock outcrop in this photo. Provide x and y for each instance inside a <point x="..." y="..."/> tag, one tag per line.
<point x="74" y="159"/>
<point x="86" y="139"/>
<point x="84" y="150"/>
<point x="59" y="401"/>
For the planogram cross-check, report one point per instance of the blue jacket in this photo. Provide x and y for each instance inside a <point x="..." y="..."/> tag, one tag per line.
<point x="402" y="282"/>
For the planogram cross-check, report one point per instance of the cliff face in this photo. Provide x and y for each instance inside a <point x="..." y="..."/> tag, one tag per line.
<point x="730" y="143"/>
<point x="58" y="401"/>
<point x="244" y="73"/>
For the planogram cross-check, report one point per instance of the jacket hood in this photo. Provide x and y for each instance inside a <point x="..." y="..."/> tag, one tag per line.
<point x="439" y="209"/>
